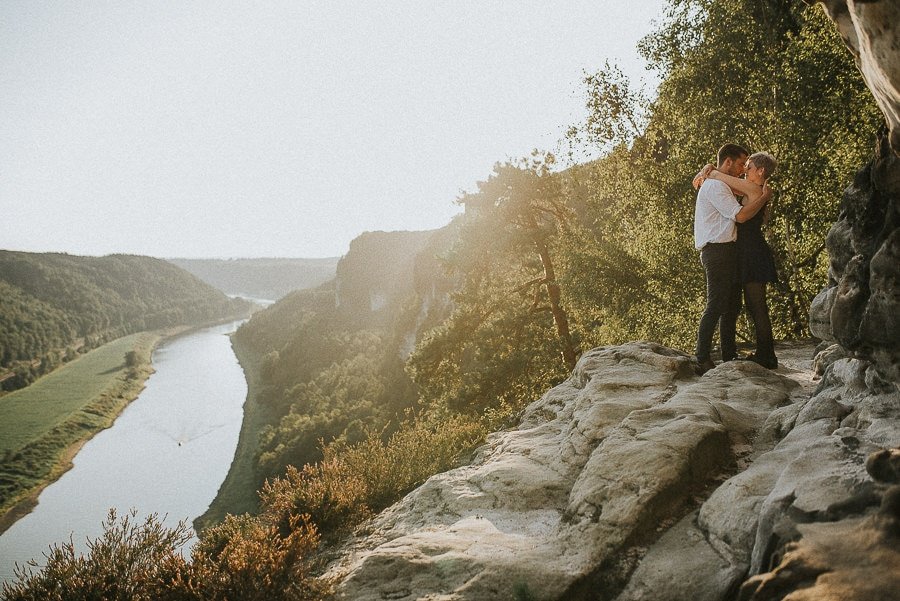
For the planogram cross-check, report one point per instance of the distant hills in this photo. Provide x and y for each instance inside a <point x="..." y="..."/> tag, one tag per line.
<point x="53" y="306"/>
<point x="261" y="278"/>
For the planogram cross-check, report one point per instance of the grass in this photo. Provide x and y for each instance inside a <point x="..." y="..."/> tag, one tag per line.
<point x="43" y="423"/>
<point x="238" y="493"/>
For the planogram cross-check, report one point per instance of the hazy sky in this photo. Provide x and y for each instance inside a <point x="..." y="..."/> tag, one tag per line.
<point x="250" y="129"/>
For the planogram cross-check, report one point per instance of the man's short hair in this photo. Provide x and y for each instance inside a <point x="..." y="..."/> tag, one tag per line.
<point x="765" y="161"/>
<point x="731" y="151"/>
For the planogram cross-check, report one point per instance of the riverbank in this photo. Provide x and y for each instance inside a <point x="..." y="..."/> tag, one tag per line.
<point x="237" y="494"/>
<point x="47" y="423"/>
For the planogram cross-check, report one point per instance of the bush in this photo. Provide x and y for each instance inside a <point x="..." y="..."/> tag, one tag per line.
<point x="245" y="558"/>
<point x="242" y="558"/>
<point x="354" y="481"/>
<point x="132" y="359"/>
<point x="130" y="561"/>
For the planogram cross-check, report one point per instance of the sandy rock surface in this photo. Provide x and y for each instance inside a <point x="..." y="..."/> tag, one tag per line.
<point x="562" y="505"/>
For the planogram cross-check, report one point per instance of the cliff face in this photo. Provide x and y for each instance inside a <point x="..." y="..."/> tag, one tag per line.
<point x="635" y="479"/>
<point x="376" y="274"/>
<point x="860" y="308"/>
<point x="396" y="280"/>
<point x="870" y="31"/>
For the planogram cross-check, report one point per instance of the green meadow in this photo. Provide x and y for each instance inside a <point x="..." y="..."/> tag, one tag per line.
<point x="42" y="422"/>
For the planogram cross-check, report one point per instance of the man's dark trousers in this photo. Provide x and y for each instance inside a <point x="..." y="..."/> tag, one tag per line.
<point x="723" y="299"/>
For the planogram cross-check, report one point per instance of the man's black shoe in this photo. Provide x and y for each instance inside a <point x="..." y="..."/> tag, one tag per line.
<point x="704" y="366"/>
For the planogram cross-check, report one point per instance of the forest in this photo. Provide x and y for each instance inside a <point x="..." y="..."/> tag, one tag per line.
<point x="54" y="306"/>
<point x="550" y="258"/>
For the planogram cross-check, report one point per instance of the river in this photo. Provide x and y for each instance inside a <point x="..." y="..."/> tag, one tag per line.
<point x="167" y="453"/>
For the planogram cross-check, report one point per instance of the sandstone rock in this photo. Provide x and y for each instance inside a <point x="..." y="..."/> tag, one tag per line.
<point x="681" y="566"/>
<point x="857" y="558"/>
<point x="554" y="507"/>
<point x="808" y="465"/>
<point x="884" y="466"/>
<point x="860" y="308"/>
<point x="825" y="358"/>
<point x="850" y="559"/>
<point x="820" y="313"/>
<point x="870" y="30"/>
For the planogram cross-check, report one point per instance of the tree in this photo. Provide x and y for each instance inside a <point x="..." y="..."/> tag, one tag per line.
<point x="494" y="349"/>
<point x="775" y="77"/>
<point x="525" y="204"/>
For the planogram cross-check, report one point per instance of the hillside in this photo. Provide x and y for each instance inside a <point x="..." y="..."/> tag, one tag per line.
<point x="53" y="306"/>
<point x="327" y="363"/>
<point x="260" y="278"/>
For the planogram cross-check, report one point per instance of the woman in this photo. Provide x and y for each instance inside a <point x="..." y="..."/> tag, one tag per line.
<point x="755" y="259"/>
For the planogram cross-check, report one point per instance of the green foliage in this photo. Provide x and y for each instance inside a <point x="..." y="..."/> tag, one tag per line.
<point x="52" y="305"/>
<point x="616" y="113"/>
<point x="132" y="359"/>
<point x="508" y="337"/>
<point x="774" y="77"/>
<point x="522" y="592"/>
<point x="338" y="403"/>
<point x="353" y="481"/>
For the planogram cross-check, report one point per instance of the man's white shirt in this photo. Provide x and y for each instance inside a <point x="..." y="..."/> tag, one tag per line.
<point x="714" y="214"/>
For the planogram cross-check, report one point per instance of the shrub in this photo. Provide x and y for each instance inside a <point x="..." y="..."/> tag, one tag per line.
<point x="242" y="558"/>
<point x="245" y="558"/>
<point x="354" y="481"/>
<point x="130" y="561"/>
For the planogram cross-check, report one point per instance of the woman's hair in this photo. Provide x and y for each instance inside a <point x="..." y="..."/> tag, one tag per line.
<point x="765" y="161"/>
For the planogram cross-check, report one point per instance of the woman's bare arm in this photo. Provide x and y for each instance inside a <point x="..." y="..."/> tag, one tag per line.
<point x="752" y="205"/>
<point x="748" y="189"/>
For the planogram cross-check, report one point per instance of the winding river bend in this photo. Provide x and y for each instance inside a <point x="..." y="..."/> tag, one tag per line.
<point x="167" y="453"/>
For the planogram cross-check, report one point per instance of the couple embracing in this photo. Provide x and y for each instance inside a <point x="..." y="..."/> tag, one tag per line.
<point x="734" y="252"/>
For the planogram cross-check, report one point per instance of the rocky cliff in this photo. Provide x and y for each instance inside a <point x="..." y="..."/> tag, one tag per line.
<point x="635" y="479"/>
<point x="860" y="308"/>
<point x="376" y="275"/>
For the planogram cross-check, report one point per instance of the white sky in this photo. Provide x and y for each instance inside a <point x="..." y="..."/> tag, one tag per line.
<point x="245" y="129"/>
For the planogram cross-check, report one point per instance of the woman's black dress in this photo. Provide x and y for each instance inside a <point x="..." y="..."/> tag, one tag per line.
<point x="757" y="264"/>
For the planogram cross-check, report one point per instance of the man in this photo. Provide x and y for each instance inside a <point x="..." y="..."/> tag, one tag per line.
<point x="716" y="213"/>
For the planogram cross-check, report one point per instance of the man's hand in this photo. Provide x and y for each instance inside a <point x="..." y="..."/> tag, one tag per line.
<point x="701" y="176"/>
<point x="766" y="191"/>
